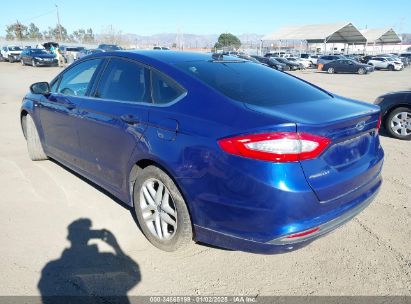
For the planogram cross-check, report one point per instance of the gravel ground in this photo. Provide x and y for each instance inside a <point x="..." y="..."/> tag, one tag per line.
<point x="371" y="255"/>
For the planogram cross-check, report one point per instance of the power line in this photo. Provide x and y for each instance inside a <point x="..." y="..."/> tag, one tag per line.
<point x="39" y="16"/>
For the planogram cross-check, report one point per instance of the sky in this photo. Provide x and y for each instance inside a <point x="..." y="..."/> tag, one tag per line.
<point x="206" y="16"/>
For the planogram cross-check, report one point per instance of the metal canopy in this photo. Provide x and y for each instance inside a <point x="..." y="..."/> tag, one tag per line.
<point x="381" y="35"/>
<point x="318" y="33"/>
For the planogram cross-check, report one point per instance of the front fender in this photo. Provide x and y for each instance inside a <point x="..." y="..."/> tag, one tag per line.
<point x="28" y="107"/>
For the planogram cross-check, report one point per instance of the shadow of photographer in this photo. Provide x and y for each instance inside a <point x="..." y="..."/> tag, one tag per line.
<point x="82" y="270"/>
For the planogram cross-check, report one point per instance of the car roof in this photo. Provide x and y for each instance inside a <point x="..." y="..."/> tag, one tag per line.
<point x="163" y="56"/>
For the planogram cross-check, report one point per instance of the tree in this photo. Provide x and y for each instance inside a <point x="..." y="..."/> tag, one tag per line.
<point x="16" y="31"/>
<point x="111" y="35"/>
<point x="34" y="32"/>
<point x="89" y="36"/>
<point x="55" y="33"/>
<point x="84" y="36"/>
<point x="227" y="40"/>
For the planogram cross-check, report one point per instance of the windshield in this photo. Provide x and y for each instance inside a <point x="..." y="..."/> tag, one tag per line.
<point x="252" y="83"/>
<point x="14" y="48"/>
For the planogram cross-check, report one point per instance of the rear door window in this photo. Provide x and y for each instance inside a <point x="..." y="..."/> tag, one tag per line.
<point x="124" y="80"/>
<point x="164" y="90"/>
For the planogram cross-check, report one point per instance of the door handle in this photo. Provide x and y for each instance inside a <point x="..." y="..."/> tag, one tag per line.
<point x="62" y="101"/>
<point x="130" y="119"/>
<point x="68" y="105"/>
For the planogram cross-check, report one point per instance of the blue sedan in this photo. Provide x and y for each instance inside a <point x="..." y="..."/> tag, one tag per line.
<point x="210" y="148"/>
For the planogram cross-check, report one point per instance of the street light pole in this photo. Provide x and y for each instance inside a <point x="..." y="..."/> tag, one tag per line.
<point x="58" y="23"/>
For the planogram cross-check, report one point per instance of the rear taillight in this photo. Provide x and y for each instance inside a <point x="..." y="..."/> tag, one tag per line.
<point x="379" y="123"/>
<point x="276" y="146"/>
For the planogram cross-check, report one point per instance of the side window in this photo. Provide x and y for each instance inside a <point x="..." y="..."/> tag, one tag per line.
<point x="54" y="84"/>
<point x="124" y="80"/>
<point x="164" y="89"/>
<point x="75" y="81"/>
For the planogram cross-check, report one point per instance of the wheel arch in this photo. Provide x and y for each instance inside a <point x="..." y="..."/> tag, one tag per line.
<point x="395" y="106"/>
<point x="148" y="161"/>
<point x="23" y="114"/>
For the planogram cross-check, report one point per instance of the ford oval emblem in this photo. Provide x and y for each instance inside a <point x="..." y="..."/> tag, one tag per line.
<point x="360" y="126"/>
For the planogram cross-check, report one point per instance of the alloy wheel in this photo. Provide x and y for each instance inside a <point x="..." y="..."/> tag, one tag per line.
<point x="158" y="209"/>
<point x="401" y="124"/>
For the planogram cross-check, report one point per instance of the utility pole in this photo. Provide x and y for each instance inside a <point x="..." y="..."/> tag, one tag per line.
<point x="58" y="23"/>
<point x="19" y="33"/>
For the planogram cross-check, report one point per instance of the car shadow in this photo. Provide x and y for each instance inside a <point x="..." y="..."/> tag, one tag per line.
<point x="131" y="210"/>
<point x="94" y="185"/>
<point x="86" y="275"/>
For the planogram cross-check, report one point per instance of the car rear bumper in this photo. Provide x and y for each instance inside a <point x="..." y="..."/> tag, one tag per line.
<point x="353" y="203"/>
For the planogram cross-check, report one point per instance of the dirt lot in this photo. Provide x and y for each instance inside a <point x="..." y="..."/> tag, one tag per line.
<point x="371" y="255"/>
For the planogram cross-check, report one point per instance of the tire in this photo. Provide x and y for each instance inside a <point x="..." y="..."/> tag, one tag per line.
<point x="391" y="68"/>
<point x="177" y="237"/>
<point x="398" y="123"/>
<point x="11" y="59"/>
<point x="362" y="71"/>
<point x="34" y="146"/>
<point x="22" y="62"/>
<point x="330" y="71"/>
<point x="33" y="63"/>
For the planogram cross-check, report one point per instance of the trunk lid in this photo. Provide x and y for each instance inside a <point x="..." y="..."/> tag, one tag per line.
<point x="354" y="156"/>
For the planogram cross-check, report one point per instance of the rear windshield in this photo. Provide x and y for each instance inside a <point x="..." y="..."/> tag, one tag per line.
<point x="252" y="83"/>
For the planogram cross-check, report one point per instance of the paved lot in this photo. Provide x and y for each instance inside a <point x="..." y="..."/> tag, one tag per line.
<point x="371" y="255"/>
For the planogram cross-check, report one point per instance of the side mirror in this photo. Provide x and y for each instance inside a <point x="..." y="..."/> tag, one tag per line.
<point x="42" y="88"/>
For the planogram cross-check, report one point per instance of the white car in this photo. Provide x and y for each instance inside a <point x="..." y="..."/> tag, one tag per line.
<point x="386" y="63"/>
<point x="312" y="58"/>
<point x="11" y="53"/>
<point x="302" y="61"/>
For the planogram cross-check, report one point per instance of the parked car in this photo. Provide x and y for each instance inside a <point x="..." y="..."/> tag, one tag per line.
<point x="395" y="57"/>
<point x="163" y="48"/>
<point x="272" y="63"/>
<point x="312" y="58"/>
<point x="11" y="53"/>
<point x="292" y="65"/>
<point x="86" y="52"/>
<point x="347" y="66"/>
<point x="396" y="113"/>
<point x="109" y="47"/>
<point x="249" y="58"/>
<point x="274" y="54"/>
<point x="71" y="51"/>
<point x="365" y="59"/>
<point x="304" y="63"/>
<point x="385" y="63"/>
<point x="226" y="152"/>
<point x="38" y="57"/>
<point x="328" y="58"/>
<point x="407" y="55"/>
<point x="353" y="57"/>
